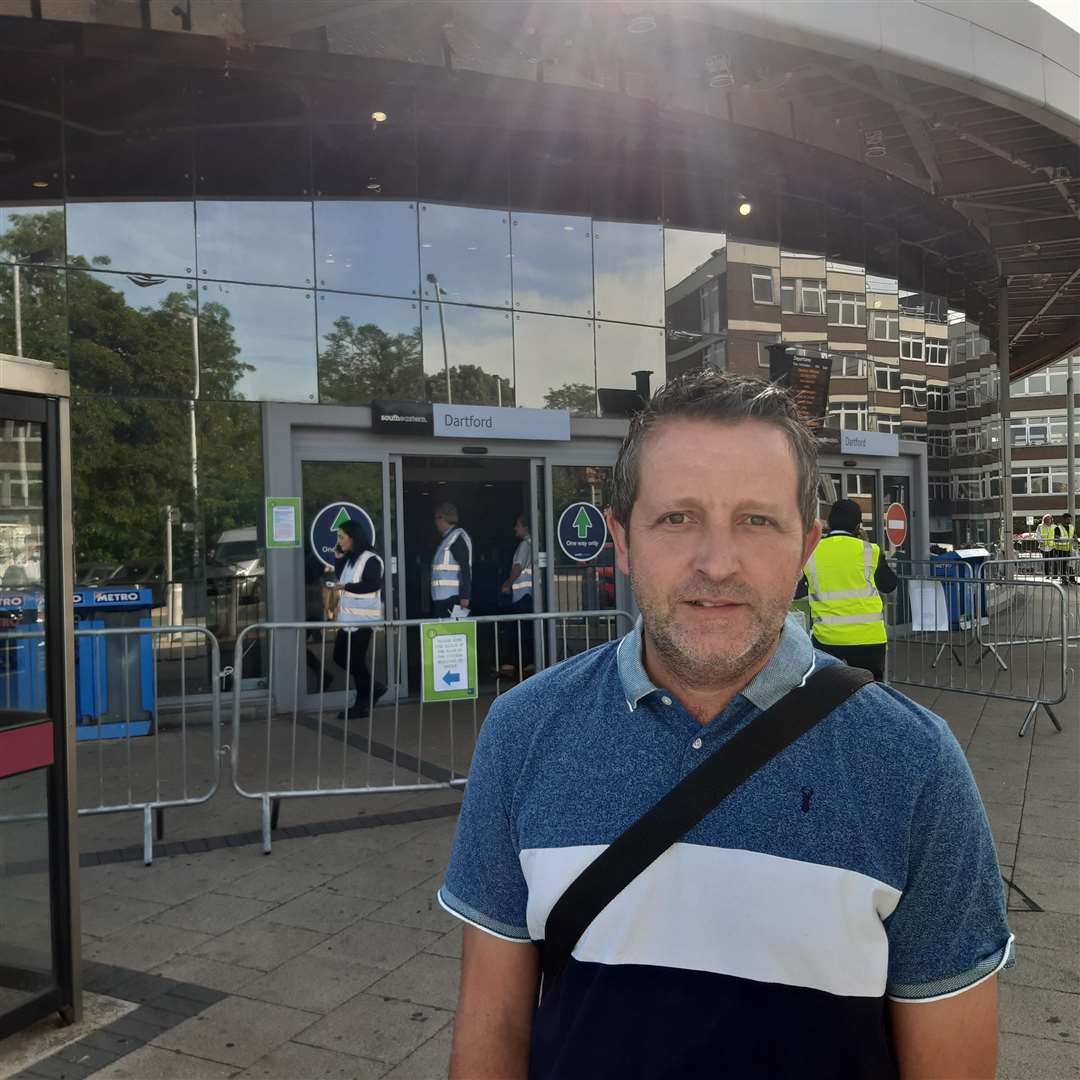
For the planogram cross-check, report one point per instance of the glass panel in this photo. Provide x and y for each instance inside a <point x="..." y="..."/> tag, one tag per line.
<point x="554" y="364"/>
<point x="32" y="234"/>
<point x="465" y="253"/>
<point x="131" y="334"/>
<point x="26" y="951"/>
<point x="898" y="490"/>
<point x="30" y="99"/>
<point x="620" y="351"/>
<point x="39" y="296"/>
<point x="367" y="247"/>
<point x="140" y="236"/>
<point x="860" y="487"/>
<point x="472" y="349"/>
<point x="629" y="268"/>
<point x="257" y="342"/>
<point x="369" y="347"/>
<point x="265" y="242"/>
<point x="581" y="586"/>
<point x="553" y="268"/>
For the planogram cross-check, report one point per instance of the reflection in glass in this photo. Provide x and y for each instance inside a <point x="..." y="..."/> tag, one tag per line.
<point x="622" y="350"/>
<point x="40" y="329"/>
<point x="32" y="234"/>
<point x="554" y="364"/>
<point x="367" y="246"/>
<point x="468" y="355"/>
<point x="131" y="334"/>
<point x="258" y="241"/>
<point x="553" y="264"/>
<point x="369" y="347"/>
<point x="695" y="299"/>
<point x="465" y="254"/>
<point x="257" y="343"/>
<point x="139" y="236"/>
<point x="22" y="500"/>
<point x="629" y="269"/>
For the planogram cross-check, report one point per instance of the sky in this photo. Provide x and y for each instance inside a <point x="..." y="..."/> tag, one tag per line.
<point x="1068" y="11"/>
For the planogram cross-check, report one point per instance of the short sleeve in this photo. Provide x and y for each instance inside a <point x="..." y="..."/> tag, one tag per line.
<point x="484" y="883"/>
<point x="949" y="930"/>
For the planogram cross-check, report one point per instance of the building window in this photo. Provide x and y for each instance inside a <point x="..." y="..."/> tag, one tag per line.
<point x="911" y="346"/>
<point x="936" y="352"/>
<point x="886" y="378"/>
<point x="937" y="398"/>
<point x="938" y="444"/>
<point x="888" y="426"/>
<point x="913" y="432"/>
<point x="763" y="349"/>
<point x="848" y="415"/>
<point x="802" y="296"/>
<point x="849" y="366"/>
<point x="885" y="325"/>
<point x="860" y="484"/>
<point x="847" y="309"/>
<point x="993" y="485"/>
<point x="1035" y="385"/>
<point x="761" y="282"/>
<point x="711" y="312"/>
<point x="914" y="394"/>
<point x="938" y="487"/>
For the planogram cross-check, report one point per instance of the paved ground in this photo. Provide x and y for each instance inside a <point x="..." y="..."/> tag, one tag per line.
<point x="330" y="957"/>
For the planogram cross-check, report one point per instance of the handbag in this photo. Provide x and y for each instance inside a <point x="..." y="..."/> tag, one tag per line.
<point x="695" y="796"/>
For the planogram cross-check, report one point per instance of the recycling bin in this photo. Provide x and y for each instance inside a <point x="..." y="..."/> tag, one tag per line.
<point x="22" y="651"/>
<point x="114" y="673"/>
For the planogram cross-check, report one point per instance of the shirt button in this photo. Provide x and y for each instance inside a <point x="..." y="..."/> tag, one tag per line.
<point x="666" y="700"/>
<point x="697" y="744"/>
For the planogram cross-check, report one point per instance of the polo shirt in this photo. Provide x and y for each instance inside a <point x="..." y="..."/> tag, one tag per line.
<point x="857" y="864"/>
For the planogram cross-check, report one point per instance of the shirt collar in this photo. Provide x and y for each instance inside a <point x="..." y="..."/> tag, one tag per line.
<point x="789" y="666"/>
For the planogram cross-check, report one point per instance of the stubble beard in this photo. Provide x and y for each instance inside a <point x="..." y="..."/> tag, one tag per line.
<point x="694" y="667"/>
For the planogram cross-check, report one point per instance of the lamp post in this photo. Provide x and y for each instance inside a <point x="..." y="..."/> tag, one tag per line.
<point x="442" y="328"/>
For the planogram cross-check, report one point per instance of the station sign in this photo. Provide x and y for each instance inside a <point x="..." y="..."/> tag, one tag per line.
<point x="582" y="531"/>
<point x="402" y="417"/>
<point x="487" y="422"/>
<point x="328" y="520"/>
<point x="896" y="524"/>
<point x="874" y="443"/>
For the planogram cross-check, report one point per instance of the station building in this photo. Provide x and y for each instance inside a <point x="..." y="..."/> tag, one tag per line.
<point x="258" y="232"/>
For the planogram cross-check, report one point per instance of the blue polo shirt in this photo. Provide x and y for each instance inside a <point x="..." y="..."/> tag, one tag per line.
<point x="857" y="864"/>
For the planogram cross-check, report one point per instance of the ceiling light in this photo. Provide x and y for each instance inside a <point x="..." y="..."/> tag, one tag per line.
<point x="40" y="183"/>
<point x="378" y="116"/>
<point x="374" y="185"/>
<point x="641" y="24"/>
<point x="745" y="207"/>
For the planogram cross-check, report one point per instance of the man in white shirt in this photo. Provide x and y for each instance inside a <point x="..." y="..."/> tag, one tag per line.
<point x="519" y="586"/>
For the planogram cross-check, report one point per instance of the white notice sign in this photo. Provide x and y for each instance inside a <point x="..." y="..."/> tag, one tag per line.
<point x="284" y="524"/>
<point x="450" y="661"/>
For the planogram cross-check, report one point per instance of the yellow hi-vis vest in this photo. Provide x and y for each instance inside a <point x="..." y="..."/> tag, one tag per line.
<point x="844" y="601"/>
<point x="1047" y="536"/>
<point x="1065" y="538"/>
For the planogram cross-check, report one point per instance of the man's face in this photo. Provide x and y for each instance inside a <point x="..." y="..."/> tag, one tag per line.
<point x="441" y="523"/>
<point x="521" y="530"/>
<point x="715" y="546"/>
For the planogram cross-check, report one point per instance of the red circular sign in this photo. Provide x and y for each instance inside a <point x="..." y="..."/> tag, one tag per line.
<point x="896" y="524"/>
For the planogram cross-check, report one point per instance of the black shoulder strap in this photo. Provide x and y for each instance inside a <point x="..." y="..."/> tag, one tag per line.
<point x="687" y="803"/>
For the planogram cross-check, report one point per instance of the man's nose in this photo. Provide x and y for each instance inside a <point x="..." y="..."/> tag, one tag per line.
<point x="717" y="555"/>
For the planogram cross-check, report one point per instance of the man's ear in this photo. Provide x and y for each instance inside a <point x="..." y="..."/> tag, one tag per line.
<point x="621" y="538"/>
<point x="811" y="542"/>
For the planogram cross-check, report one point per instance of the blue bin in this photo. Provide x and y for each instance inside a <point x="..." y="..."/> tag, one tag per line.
<point x="22" y="658"/>
<point x="114" y="675"/>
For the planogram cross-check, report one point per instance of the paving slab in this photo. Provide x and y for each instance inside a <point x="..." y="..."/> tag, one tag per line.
<point x="154" y="1063"/>
<point x="213" y="913"/>
<point x="1048" y="817"/>
<point x="324" y="910"/>
<point x="1024" y="1058"/>
<point x="381" y="945"/>
<point x="1049" y="847"/>
<point x="109" y="912"/>
<point x="1046" y="1014"/>
<point x="426" y="979"/>
<point x="204" y="971"/>
<point x="419" y="908"/>
<point x="449" y="944"/>
<point x="144" y="946"/>
<point x="430" y="1062"/>
<point x="168" y="881"/>
<point x="270" y="883"/>
<point x="1047" y="929"/>
<point x="372" y="1027"/>
<point x="379" y="880"/>
<point x="314" y="983"/>
<point x="237" y="1031"/>
<point x="1052" y="969"/>
<point x="294" y="1061"/>
<point x="1052" y="884"/>
<point x="260" y="944"/>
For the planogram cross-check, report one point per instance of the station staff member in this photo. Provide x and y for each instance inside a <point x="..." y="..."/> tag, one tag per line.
<point x="1047" y="533"/>
<point x="845" y="577"/>
<point x="519" y="586"/>
<point x="1066" y="536"/>
<point x="359" y="573"/>
<point x="451" y="568"/>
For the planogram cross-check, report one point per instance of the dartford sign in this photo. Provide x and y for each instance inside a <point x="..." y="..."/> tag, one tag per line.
<point x="487" y="422"/>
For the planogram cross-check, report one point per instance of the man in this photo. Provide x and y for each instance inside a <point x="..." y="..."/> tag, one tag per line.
<point x="844" y="578"/>
<point x="1047" y="533"/>
<point x="519" y="587"/>
<point x="451" y="568"/>
<point x="840" y="914"/>
<point x="1066" y="533"/>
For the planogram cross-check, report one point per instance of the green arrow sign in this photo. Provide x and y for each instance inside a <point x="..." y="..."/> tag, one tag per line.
<point x="342" y="517"/>
<point x="582" y="523"/>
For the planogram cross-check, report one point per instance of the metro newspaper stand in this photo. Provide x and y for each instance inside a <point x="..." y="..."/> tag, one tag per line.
<point x="39" y="904"/>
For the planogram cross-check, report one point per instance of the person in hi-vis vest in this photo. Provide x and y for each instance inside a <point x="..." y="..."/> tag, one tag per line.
<point x="1047" y="533"/>
<point x="519" y="587"/>
<point x="359" y="573"/>
<point x="1066" y="538"/>
<point x="451" y="567"/>
<point x="845" y="577"/>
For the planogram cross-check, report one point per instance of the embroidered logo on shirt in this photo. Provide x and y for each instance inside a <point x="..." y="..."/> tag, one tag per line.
<point x="807" y="795"/>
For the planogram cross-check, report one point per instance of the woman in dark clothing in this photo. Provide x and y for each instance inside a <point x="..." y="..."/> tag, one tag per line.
<point x="359" y="573"/>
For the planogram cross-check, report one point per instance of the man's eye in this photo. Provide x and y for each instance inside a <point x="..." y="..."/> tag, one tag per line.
<point x="759" y="519"/>
<point x="677" y="518"/>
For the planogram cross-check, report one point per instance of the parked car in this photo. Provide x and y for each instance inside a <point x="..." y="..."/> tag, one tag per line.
<point x="235" y="562"/>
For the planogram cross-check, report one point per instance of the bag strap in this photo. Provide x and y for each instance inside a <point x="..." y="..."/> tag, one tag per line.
<point x="688" y="803"/>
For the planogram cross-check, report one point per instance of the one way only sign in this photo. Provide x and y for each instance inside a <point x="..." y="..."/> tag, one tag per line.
<point x="448" y="660"/>
<point x="582" y="531"/>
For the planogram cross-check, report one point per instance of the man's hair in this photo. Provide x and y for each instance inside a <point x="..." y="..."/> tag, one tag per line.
<point x="724" y="398"/>
<point x="845" y="515"/>
<point x="447" y="511"/>
<point x="521" y="519"/>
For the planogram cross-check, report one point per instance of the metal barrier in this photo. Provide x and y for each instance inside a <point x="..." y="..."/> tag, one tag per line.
<point x="1066" y="569"/>
<point x="1005" y="639"/>
<point x="121" y="750"/>
<point x="303" y="752"/>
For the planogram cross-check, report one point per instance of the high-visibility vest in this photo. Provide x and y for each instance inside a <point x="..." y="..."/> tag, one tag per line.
<point x="523" y="583"/>
<point x="359" y="607"/>
<point x="844" y="602"/>
<point x="1065" y="538"/>
<point x="445" y="570"/>
<point x="1047" y="537"/>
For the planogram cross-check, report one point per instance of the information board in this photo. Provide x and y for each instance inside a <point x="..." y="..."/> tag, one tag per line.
<point x="448" y="660"/>
<point x="807" y="377"/>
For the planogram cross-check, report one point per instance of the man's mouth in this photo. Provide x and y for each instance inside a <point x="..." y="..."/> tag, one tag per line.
<point x="713" y="603"/>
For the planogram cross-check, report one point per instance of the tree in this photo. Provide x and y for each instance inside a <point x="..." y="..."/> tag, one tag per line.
<point x="471" y="385"/>
<point x="578" y="398"/>
<point x="361" y="363"/>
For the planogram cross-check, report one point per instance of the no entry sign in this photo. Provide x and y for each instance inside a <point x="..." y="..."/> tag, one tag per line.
<point x="896" y="524"/>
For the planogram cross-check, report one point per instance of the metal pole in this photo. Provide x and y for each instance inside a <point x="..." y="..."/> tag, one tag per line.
<point x="1006" y="417"/>
<point x="442" y="328"/>
<point x="18" y="312"/>
<point x="169" y="613"/>
<point x="195" y="554"/>
<point x="1070" y="437"/>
